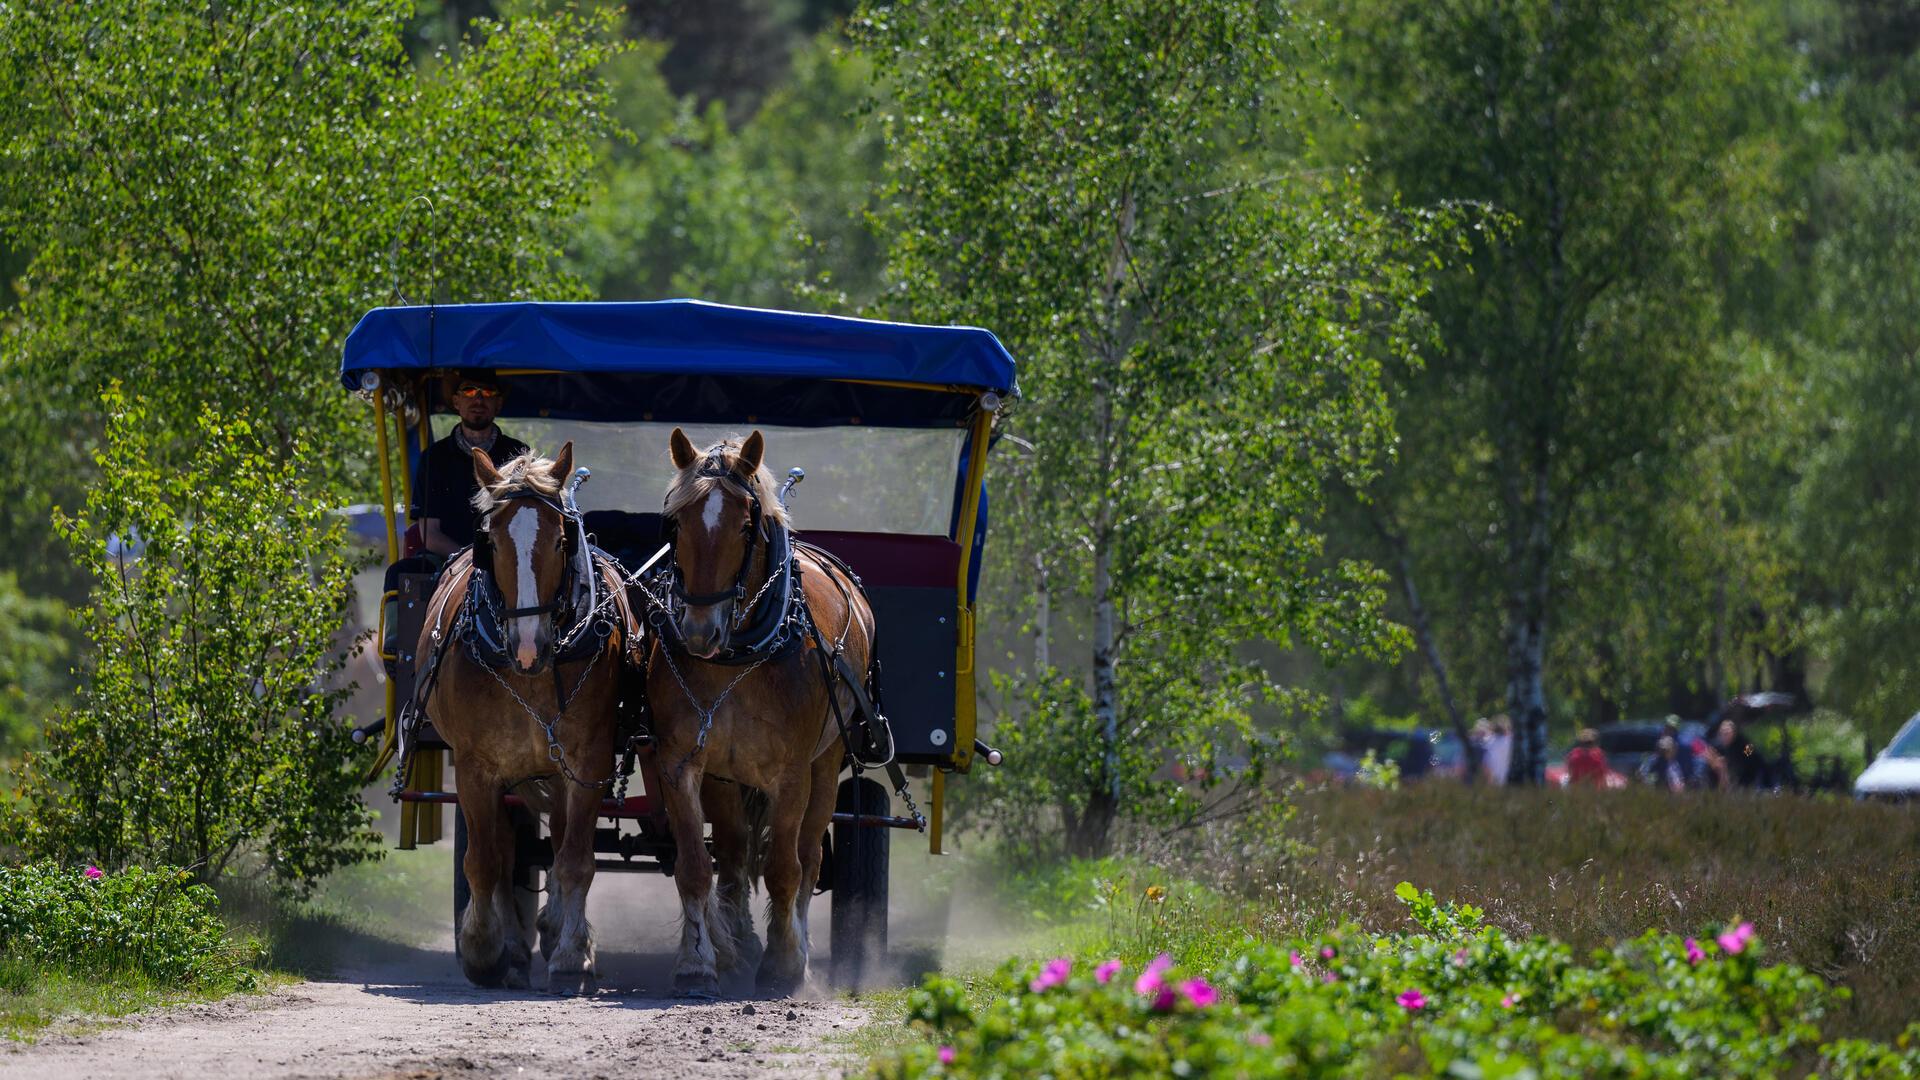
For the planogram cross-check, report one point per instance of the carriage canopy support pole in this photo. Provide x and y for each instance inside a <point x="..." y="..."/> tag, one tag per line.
<point x="391" y="732"/>
<point x="964" y="718"/>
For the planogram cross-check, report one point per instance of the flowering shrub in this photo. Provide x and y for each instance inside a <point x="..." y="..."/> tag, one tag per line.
<point x="154" y="922"/>
<point x="1457" y="998"/>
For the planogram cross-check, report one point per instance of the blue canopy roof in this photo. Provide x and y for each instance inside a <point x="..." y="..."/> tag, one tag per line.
<point x="676" y="337"/>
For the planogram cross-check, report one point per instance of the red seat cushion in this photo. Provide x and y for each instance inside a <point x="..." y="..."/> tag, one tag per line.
<point x="886" y="560"/>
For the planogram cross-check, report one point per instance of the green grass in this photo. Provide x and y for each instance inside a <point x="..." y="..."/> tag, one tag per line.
<point x="36" y="999"/>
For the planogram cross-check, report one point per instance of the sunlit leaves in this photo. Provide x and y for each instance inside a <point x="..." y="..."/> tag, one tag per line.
<point x="1201" y="330"/>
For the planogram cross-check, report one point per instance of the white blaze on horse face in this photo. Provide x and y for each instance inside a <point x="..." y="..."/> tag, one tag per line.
<point x="523" y="528"/>
<point x="710" y="513"/>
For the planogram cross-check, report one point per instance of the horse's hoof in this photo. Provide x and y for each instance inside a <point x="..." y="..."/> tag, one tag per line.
<point x="486" y="976"/>
<point x="751" y="951"/>
<point x="771" y="982"/>
<point x="517" y="976"/>
<point x="694" y="984"/>
<point x="571" y="983"/>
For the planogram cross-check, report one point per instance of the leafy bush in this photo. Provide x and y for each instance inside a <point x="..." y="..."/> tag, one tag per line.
<point x="157" y="923"/>
<point x="205" y="732"/>
<point x="1456" y="998"/>
<point x="35" y="652"/>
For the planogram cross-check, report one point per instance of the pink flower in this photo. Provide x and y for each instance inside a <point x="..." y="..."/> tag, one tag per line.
<point x="1260" y="1039"/>
<point x="1735" y="940"/>
<point x="1508" y="1001"/>
<point x="1293" y="957"/>
<point x="1694" y="953"/>
<point x="1329" y="978"/>
<point x="1199" y="993"/>
<point x="1460" y="958"/>
<point x="946" y="1055"/>
<point x="94" y="873"/>
<point x="1412" y="1000"/>
<point x="1326" y="952"/>
<point x="1164" y="999"/>
<point x="1052" y="975"/>
<point x="1150" y="979"/>
<point x="1105" y="972"/>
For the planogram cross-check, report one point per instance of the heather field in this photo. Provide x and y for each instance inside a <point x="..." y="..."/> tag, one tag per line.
<point x="1834" y="885"/>
<point x="1437" y="930"/>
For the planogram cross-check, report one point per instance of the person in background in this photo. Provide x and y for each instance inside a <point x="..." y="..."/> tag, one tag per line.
<point x="1497" y="756"/>
<point x="444" y="485"/>
<point x="1743" y="765"/>
<point x="1586" y="762"/>
<point x="1663" y="767"/>
<point x="1688" y="752"/>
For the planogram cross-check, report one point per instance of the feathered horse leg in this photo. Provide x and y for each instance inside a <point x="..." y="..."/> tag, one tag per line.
<point x="706" y="945"/>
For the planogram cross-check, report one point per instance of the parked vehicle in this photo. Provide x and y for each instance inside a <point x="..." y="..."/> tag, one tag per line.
<point x="1414" y="750"/>
<point x="1895" y="774"/>
<point x="1630" y="743"/>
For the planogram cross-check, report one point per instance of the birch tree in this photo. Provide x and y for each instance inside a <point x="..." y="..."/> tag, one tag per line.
<point x="1115" y="189"/>
<point x="1578" y="367"/>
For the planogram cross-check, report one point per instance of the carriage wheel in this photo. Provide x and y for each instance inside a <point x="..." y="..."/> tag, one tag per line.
<point x="860" y="886"/>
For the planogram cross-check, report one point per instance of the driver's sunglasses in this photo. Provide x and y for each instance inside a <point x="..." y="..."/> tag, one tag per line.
<point x="470" y="391"/>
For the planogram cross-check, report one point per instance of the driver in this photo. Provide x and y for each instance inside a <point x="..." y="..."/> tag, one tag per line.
<point x="444" y="484"/>
<point x="444" y="488"/>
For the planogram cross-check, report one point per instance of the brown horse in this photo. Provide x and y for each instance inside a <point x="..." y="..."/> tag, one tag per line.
<point x="759" y="719"/>
<point x="528" y="709"/>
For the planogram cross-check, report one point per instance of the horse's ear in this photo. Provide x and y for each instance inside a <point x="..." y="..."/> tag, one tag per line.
<point x="752" y="451"/>
<point x="562" y="466"/>
<point x="684" y="455"/>
<point x="483" y="469"/>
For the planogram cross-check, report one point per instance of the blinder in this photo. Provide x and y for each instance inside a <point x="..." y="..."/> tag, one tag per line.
<point x="714" y="467"/>
<point x="489" y="605"/>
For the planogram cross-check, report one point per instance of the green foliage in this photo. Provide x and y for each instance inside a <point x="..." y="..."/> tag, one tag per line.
<point x="1381" y="775"/>
<point x="1457" y="998"/>
<point x="696" y="207"/>
<point x="1200" y="340"/>
<point x="154" y="923"/>
<point x="213" y="195"/>
<point x="35" y="649"/>
<point x="205" y="732"/>
<point x="1580" y="374"/>
<point x="1857" y="533"/>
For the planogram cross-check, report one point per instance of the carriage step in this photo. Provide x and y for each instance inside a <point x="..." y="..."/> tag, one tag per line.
<point x="876" y="821"/>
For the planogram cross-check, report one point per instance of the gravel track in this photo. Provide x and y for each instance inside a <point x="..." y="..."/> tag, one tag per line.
<point x="393" y="1011"/>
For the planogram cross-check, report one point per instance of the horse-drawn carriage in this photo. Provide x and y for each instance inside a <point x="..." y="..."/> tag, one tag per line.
<point x="888" y="423"/>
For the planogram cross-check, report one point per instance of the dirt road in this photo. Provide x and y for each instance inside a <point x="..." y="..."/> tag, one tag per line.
<point x="393" y="1011"/>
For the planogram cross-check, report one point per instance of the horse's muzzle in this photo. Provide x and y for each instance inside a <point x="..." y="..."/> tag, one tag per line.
<point x="705" y="638"/>
<point x="530" y="647"/>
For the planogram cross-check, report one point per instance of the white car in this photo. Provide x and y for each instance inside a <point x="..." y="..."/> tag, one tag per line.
<point x="1895" y="774"/>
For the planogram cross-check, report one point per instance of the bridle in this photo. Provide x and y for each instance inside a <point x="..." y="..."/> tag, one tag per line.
<point x="490" y="606"/>
<point x="714" y="467"/>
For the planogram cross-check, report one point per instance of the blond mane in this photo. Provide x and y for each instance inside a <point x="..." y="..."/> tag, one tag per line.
<point x="525" y="471"/>
<point x="689" y="486"/>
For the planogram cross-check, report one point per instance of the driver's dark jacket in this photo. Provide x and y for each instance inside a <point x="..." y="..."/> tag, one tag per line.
<point x="444" y="484"/>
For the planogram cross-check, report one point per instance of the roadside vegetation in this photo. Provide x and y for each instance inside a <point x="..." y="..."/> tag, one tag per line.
<point x="80" y="940"/>
<point x="1581" y="968"/>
